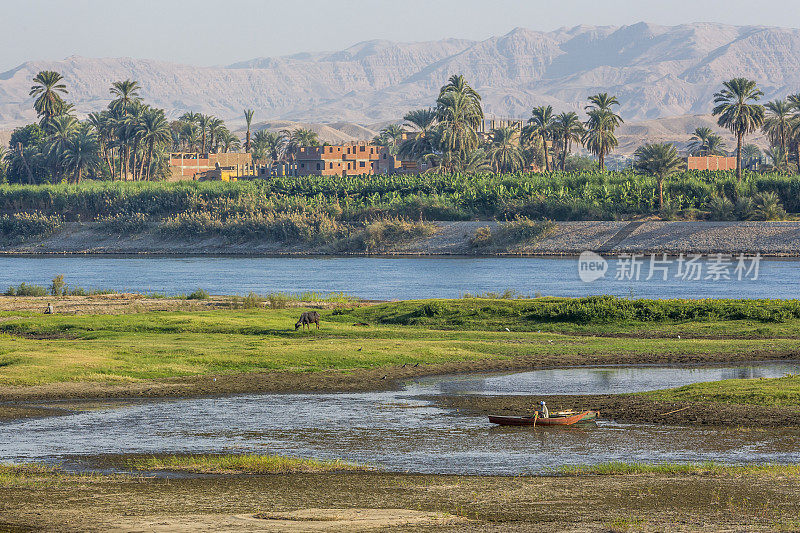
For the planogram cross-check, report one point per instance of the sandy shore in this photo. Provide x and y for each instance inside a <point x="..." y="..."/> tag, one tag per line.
<point x="452" y="238"/>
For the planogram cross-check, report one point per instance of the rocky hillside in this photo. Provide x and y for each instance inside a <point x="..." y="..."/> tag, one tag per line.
<point x="657" y="72"/>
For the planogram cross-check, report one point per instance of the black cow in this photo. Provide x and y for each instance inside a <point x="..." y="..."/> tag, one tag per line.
<point x="306" y="319"/>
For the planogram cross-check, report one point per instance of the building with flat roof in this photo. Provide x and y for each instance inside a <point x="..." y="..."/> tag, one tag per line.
<point x="193" y="165"/>
<point x="352" y="159"/>
<point x="711" y="162"/>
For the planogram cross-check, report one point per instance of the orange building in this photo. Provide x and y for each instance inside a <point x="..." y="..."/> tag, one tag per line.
<point x="711" y="162"/>
<point x="191" y="165"/>
<point x="352" y="159"/>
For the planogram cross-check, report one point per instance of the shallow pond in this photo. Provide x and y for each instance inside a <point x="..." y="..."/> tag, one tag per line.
<point x="396" y="431"/>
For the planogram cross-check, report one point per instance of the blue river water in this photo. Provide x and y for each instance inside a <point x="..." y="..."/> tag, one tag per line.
<point x="387" y="278"/>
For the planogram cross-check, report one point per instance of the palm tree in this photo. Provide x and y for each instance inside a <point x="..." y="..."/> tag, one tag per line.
<point x="542" y="123"/>
<point x="778" y="125"/>
<point x="459" y="113"/>
<point x="248" y="118"/>
<point x="568" y="129"/>
<point x="153" y="130"/>
<point x="202" y="122"/>
<point x="229" y="141"/>
<point x="600" y="137"/>
<point x="392" y="135"/>
<point x="297" y="139"/>
<point x="215" y="127"/>
<point x="63" y="128"/>
<point x="104" y="126"/>
<point x="82" y="154"/>
<point x="660" y="160"/>
<point x="737" y="113"/>
<point x="705" y="142"/>
<point x="424" y="140"/>
<point x="751" y="153"/>
<point x="505" y="152"/>
<point x="48" y="104"/>
<point x="474" y="162"/>
<point x="267" y="145"/>
<point x="126" y="93"/>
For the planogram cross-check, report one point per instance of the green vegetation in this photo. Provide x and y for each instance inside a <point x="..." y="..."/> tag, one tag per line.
<point x="775" y="392"/>
<point x="511" y="234"/>
<point x="38" y="475"/>
<point x="532" y="313"/>
<point x="238" y="464"/>
<point x="707" y="468"/>
<point x="36" y="349"/>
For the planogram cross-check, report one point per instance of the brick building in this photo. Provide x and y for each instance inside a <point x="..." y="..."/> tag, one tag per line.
<point x="711" y="162"/>
<point x="352" y="159"/>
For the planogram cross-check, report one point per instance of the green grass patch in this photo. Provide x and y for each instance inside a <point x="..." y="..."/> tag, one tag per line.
<point x="620" y="468"/>
<point x="766" y="392"/>
<point x="239" y="464"/>
<point x="38" y="349"/>
<point x="531" y="313"/>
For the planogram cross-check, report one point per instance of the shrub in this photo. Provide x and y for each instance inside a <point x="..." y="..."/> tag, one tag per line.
<point x="23" y="226"/>
<point x="482" y="237"/>
<point x="721" y="208"/>
<point x="24" y="289"/>
<point x="381" y="234"/>
<point x="58" y="287"/>
<point x="199" y="294"/>
<point x="277" y="300"/>
<point x="769" y="207"/>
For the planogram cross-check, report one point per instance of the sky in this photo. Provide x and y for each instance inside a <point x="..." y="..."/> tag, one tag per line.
<point x="218" y="32"/>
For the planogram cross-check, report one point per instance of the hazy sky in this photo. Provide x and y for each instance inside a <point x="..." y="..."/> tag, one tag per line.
<point x="210" y="32"/>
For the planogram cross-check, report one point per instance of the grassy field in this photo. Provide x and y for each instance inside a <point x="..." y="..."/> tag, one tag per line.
<point x="39" y="349"/>
<point x="237" y="464"/>
<point x="776" y="392"/>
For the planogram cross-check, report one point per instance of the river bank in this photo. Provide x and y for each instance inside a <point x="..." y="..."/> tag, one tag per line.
<point x="780" y="239"/>
<point x="739" y="501"/>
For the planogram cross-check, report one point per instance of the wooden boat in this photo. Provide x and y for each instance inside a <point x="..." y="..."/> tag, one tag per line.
<point x="557" y="419"/>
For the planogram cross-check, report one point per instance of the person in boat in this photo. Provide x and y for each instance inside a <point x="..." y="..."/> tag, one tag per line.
<point x="543" y="411"/>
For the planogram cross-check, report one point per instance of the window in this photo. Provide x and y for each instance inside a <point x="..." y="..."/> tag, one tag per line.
<point x="362" y="164"/>
<point x="331" y="165"/>
<point x="318" y="167"/>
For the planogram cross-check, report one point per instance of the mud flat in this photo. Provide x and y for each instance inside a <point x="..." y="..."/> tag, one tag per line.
<point x="633" y="408"/>
<point x="739" y="501"/>
<point x="780" y="238"/>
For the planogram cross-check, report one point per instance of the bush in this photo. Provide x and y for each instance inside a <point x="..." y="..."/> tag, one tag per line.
<point x="24" y="289"/>
<point x="24" y="226"/>
<point x="58" y="288"/>
<point x="278" y="300"/>
<point x="199" y="294"/>
<point x="721" y="208"/>
<point x="482" y="237"/>
<point x="381" y="234"/>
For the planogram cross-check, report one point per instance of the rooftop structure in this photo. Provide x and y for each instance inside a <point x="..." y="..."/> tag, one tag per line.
<point x="193" y="165"/>
<point x="352" y="159"/>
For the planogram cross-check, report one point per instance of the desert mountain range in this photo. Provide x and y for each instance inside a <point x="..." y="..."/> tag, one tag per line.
<point x="664" y="76"/>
